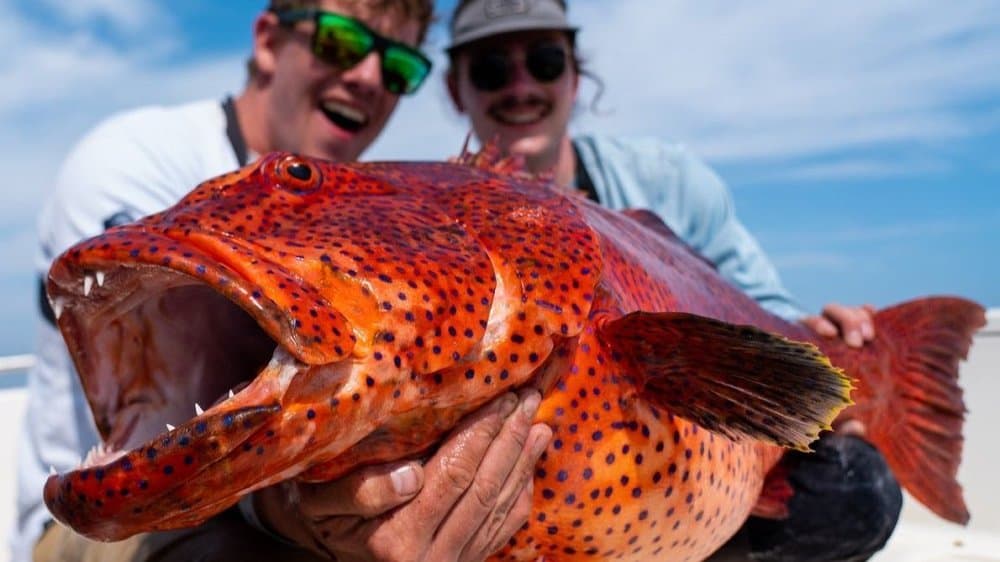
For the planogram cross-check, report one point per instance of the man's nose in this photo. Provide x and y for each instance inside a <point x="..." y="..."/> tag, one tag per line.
<point x="518" y="69"/>
<point x="518" y="72"/>
<point x="366" y="76"/>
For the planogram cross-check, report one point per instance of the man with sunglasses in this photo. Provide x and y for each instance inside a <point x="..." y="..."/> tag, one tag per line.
<point x="514" y="72"/>
<point x="324" y="78"/>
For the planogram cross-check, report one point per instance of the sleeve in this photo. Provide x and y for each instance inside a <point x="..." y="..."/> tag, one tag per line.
<point x="108" y="178"/>
<point x="711" y="227"/>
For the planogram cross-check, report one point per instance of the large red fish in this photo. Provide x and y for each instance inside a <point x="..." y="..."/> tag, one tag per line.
<point x="360" y="310"/>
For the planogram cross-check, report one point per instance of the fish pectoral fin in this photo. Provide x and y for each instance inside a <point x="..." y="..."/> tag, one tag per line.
<point x="739" y="381"/>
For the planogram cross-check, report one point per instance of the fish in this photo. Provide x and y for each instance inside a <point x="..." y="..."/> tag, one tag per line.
<point x="299" y="318"/>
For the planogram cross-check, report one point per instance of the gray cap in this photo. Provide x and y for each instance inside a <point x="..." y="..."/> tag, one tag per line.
<point x="483" y="18"/>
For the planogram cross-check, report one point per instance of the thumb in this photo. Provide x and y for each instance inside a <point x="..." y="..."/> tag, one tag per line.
<point x="365" y="493"/>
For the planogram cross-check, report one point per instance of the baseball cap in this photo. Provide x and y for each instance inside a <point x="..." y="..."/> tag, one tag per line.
<point x="483" y="18"/>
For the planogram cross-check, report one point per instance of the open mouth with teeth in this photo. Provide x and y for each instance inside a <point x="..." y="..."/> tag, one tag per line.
<point x="344" y="116"/>
<point x="187" y="383"/>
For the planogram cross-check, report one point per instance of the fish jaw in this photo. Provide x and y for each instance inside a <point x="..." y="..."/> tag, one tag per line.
<point x="269" y="431"/>
<point x="108" y="502"/>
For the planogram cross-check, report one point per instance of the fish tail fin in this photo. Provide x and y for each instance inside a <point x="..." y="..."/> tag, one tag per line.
<point x="909" y="399"/>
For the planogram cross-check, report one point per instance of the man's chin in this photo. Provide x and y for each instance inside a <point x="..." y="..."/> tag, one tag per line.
<point x="337" y="149"/>
<point x="530" y="146"/>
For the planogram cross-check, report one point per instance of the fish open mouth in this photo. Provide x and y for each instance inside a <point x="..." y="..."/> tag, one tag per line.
<point x="166" y="352"/>
<point x="163" y="356"/>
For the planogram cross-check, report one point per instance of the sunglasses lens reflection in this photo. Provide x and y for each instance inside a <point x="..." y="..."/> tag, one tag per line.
<point x="340" y="43"/>
<point x="344" y="42"/>
<point x="402" y="73"/>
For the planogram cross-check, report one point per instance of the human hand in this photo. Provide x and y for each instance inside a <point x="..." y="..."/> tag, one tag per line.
<point x="855" y="325"/>
<point x="461" y="506"/>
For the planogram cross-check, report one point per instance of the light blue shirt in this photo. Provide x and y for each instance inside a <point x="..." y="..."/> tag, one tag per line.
<point x="692" y="200"/>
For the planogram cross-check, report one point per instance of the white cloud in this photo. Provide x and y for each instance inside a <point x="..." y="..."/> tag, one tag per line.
<point x="773" y="78"/>
<point x="846" y="169"/>
<point x="36" y="137"/>
<point x="908" y="231"/>
<point x="867" y="235"/>
<point x="130" y="16"/>
<point x="767" y="81"/>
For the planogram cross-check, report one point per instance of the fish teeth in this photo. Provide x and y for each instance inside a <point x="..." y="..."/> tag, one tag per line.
<point x="92" y="455"/>
<point x="88" y="283"/>
<point x="57" y="307"/>
<point x="170" y="427"/>
<point x="198" y="410"/>
<point x="99" y="276"/>
<point x="231" y="393"/>
<point x="52" y="470"/>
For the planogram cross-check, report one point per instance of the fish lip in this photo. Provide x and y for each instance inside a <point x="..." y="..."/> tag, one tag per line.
<point x="64" y="494"/>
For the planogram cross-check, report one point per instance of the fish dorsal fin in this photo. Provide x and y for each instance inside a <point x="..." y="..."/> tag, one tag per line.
<point x="735" y="380"/>
<point x="490" y="158"/>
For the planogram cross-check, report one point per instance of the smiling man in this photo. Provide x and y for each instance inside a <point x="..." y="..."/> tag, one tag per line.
<point x="298" y="100"/>
<point x="324" y="78"/>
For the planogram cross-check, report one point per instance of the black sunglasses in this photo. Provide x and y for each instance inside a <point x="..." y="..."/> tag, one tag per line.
<point x="491" y="70"/>
<point x="344" y="42"/>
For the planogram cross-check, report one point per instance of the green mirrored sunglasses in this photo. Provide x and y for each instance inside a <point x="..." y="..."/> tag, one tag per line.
<point x="344" y="42"/>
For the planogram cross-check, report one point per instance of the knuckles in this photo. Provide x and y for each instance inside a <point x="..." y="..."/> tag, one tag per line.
<point x="459" y="472"/>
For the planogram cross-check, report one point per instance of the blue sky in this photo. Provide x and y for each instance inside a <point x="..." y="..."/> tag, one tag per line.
<point x="861" y="139"/>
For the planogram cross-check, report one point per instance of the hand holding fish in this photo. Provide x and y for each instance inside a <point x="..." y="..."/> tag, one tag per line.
<point x="854" y="324"/>
<point x="462" y="505"/>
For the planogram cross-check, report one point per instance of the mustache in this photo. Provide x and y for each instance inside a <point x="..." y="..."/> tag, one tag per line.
<point x="514" y="101"/>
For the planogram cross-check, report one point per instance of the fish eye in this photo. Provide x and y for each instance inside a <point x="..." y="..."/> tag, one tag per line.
<point x="300" y="171"/>
<point x="297" y="175"/>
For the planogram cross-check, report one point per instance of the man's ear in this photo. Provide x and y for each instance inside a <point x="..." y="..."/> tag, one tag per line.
<point x="266" y="41"/>
<point x="451" y="81"/>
